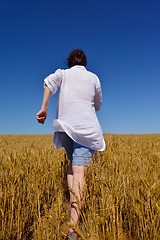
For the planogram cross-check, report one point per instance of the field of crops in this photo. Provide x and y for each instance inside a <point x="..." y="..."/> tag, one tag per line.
<point x="122" y="193"/>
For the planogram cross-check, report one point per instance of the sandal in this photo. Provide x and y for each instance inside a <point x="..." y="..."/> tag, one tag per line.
<point x="72" y="236"/>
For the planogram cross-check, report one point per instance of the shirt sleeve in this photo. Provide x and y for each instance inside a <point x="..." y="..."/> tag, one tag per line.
<point x="53" y="81"/>
<point x="98" y="95"/>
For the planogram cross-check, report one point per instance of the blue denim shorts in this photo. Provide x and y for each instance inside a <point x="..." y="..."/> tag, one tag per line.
<point x="78" y="154"/>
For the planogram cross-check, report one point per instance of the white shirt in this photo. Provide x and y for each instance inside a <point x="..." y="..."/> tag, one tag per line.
<point x="80" y="97"/>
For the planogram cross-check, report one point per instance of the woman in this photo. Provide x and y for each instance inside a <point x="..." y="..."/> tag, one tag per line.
<point x="77" y="128"/>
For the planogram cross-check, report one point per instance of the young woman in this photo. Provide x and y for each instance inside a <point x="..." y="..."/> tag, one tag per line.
<point x="77" y="128"/>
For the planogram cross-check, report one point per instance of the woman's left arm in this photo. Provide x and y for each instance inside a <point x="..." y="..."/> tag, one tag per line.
<point x="42" y="114"/>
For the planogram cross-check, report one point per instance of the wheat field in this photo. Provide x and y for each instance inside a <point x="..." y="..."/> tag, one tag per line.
<point x="122" y="192"/>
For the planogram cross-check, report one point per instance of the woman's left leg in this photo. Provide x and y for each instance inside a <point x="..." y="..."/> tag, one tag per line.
<point x="70" y="180"/>
<point x="77" y="196"/>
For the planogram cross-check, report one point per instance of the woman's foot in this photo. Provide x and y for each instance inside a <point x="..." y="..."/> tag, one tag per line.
<point x="71" y="236"/>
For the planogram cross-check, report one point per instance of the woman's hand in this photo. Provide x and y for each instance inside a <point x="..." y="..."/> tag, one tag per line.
<point x="41" y="116"/>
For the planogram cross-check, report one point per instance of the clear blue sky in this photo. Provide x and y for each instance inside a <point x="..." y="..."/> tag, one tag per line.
<point x="122" y="43"/>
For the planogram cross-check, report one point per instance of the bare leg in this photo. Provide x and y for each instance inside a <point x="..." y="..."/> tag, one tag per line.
<point x="77" y="187"/>
<point x="70" y="180"/>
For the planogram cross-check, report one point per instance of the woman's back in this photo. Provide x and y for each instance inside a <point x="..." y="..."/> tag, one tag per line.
<point x="78" y="84"/>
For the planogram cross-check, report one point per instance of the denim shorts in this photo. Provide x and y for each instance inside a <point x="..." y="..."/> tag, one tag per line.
<point x="78" y="154"/>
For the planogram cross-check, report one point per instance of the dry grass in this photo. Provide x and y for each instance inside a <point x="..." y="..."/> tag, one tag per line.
<point x="122" y="196"/>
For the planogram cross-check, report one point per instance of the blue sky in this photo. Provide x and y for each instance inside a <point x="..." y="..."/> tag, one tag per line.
<point x="122" y="43"/>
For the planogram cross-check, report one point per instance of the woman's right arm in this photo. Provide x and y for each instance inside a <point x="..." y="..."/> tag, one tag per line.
<point x="98" y="96"/>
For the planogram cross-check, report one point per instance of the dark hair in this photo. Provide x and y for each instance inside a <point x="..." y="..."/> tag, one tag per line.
<point x="77" y="57"/>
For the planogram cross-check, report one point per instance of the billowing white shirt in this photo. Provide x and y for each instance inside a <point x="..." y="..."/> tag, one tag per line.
<point x="80" y="97"/>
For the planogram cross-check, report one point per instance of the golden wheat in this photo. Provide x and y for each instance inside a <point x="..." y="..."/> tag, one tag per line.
<point x="122" y="193"/>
